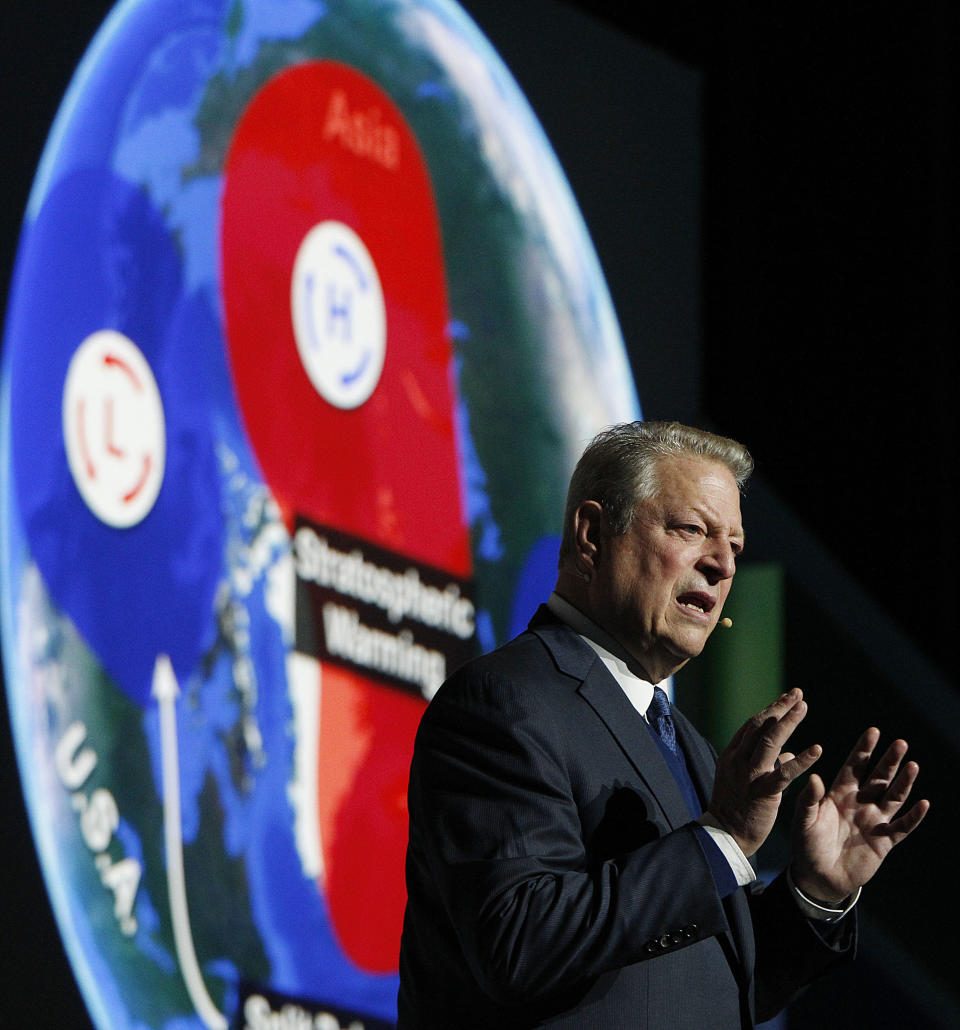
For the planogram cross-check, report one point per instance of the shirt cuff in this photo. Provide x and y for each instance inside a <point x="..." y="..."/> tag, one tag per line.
<point x="741" y="868"/>
<point x="817" y="909"/>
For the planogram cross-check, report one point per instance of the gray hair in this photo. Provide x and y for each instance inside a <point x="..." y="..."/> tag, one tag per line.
<point x="618" y="469"/>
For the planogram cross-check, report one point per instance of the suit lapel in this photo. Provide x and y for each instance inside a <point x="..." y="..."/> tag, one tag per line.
<point x="604" y="695"/>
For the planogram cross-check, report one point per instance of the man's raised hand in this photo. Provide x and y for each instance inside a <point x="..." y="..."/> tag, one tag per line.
<point x="754" y="770"/>
<point x="841" y="837"/>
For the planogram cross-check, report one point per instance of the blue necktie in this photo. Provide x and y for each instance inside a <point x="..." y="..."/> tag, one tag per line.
<point x="661" y="720"/>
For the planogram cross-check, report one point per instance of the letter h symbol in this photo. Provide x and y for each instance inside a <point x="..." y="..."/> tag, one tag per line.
<point x="339" y="310"/>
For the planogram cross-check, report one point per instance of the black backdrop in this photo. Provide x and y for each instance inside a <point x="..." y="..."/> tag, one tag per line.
<point x="823" y="326"/>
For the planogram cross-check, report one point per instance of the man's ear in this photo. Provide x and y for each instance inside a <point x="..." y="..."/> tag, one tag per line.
<point x="587" y="536"/>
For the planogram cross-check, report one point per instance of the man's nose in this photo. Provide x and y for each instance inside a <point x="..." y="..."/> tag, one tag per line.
<point x="719" y="562"/>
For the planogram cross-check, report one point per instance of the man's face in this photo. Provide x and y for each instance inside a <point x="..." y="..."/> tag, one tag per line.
<point x="659" y="588"/>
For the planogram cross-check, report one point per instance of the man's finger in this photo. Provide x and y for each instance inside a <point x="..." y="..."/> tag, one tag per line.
<point x="808" y="802"/>
<point x="775" y="732"/>
<point x="747" y="733"/>
<point x="897" y="791"/>
<point x="908" y="822"/>
<point x="854" y="769"/>
<point x="886" y="768"/>
<point x="797" y="765"/>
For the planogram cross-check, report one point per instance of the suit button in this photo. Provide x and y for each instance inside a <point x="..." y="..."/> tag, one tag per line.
<point x="689" y="931"/>
<point x="652" y="946"/>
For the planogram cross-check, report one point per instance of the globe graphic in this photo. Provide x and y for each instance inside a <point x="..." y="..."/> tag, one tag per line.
<point x="214" y="840"/>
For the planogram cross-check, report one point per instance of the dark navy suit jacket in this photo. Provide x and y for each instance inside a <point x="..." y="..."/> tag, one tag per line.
<point x="554" y="876"/>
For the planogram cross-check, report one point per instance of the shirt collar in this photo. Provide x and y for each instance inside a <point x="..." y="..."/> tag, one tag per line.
<point x="639" y="690"/>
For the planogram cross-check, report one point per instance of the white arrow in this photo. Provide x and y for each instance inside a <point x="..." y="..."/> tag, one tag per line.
<point x="166" y="690"/>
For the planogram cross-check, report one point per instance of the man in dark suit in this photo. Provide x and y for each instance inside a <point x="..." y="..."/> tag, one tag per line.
<point x="578" y="855"/>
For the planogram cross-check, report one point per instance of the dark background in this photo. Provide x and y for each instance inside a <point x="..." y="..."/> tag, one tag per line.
<point x="812" y="313"/>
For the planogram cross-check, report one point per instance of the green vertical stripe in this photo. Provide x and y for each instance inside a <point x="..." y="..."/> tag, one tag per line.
<point x="744" y="664"/>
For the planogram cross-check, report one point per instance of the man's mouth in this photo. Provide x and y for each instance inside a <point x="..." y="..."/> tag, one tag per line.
<point x="697" y="602"/>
